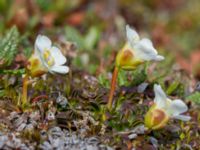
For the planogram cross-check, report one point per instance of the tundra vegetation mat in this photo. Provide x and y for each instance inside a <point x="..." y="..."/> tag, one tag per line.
<point x="54" y="93"/>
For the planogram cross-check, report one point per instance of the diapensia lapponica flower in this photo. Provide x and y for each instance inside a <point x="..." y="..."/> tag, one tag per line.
<point x="136" y="51"/>
<point x="46" y="58"/>
<point x="163" y="109"/>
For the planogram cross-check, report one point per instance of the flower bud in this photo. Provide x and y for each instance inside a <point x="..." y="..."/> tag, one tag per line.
<point x="126" y="60"/>
<point x="156" y="118"/>
<point x="35" y="67"/>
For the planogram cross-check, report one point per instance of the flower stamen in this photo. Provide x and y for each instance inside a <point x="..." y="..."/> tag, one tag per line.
<point x="48" y="58"/>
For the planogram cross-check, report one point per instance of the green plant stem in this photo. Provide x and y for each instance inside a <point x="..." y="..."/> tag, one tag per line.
<point x="112" y="88"/>
<point x="24" y="90"/>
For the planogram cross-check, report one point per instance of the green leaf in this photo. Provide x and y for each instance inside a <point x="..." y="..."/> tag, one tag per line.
<point x="195" y="97"/>
<point x="8" y="46"/>
<point x="43" y="4"/>
<point x="173" y="86"/>
<point x="15" y="72"/>
<point x="139" y="76"/>
<point x="2" y="93"/>
<point x="91" y="38"/>
<point x="73" y="35"/>
<point x="28" y="51"/>
<point x="103" y="80"/>
<point x="122" y="78"/>
<point x="5" y="7"/>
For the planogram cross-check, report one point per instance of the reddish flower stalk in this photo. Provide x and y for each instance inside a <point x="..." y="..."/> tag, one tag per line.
<point x="112" y="88"/>
<point x="38" y="98"/>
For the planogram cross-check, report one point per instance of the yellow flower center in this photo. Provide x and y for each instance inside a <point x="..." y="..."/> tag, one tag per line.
<point x="48" y="58"/>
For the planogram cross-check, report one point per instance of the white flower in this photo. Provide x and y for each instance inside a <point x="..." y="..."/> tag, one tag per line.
<point x="143" y="49"/>
<point x="50" y="56"/>
<point x="164" y="109"/>
<point x="46" y="58"/>
<point x="174" y="108"/>
<point x="136" y="51"/>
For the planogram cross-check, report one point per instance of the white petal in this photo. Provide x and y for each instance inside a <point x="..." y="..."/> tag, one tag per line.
<point x="60" y="69"/>
<point x="177" y="107"/>
<point x="160" y="97"/>
<point x="144" y="50"/>
<point x="147" y="43"/>
<point x="132" y="36"/>
<point x="182" y="117"/>
<point x="159" y="58"/>
<point x="42" y="42"/>
<point x="59" y="58"/>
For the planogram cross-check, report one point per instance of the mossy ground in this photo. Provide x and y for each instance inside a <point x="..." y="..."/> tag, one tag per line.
<point x="90" y="38"/>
